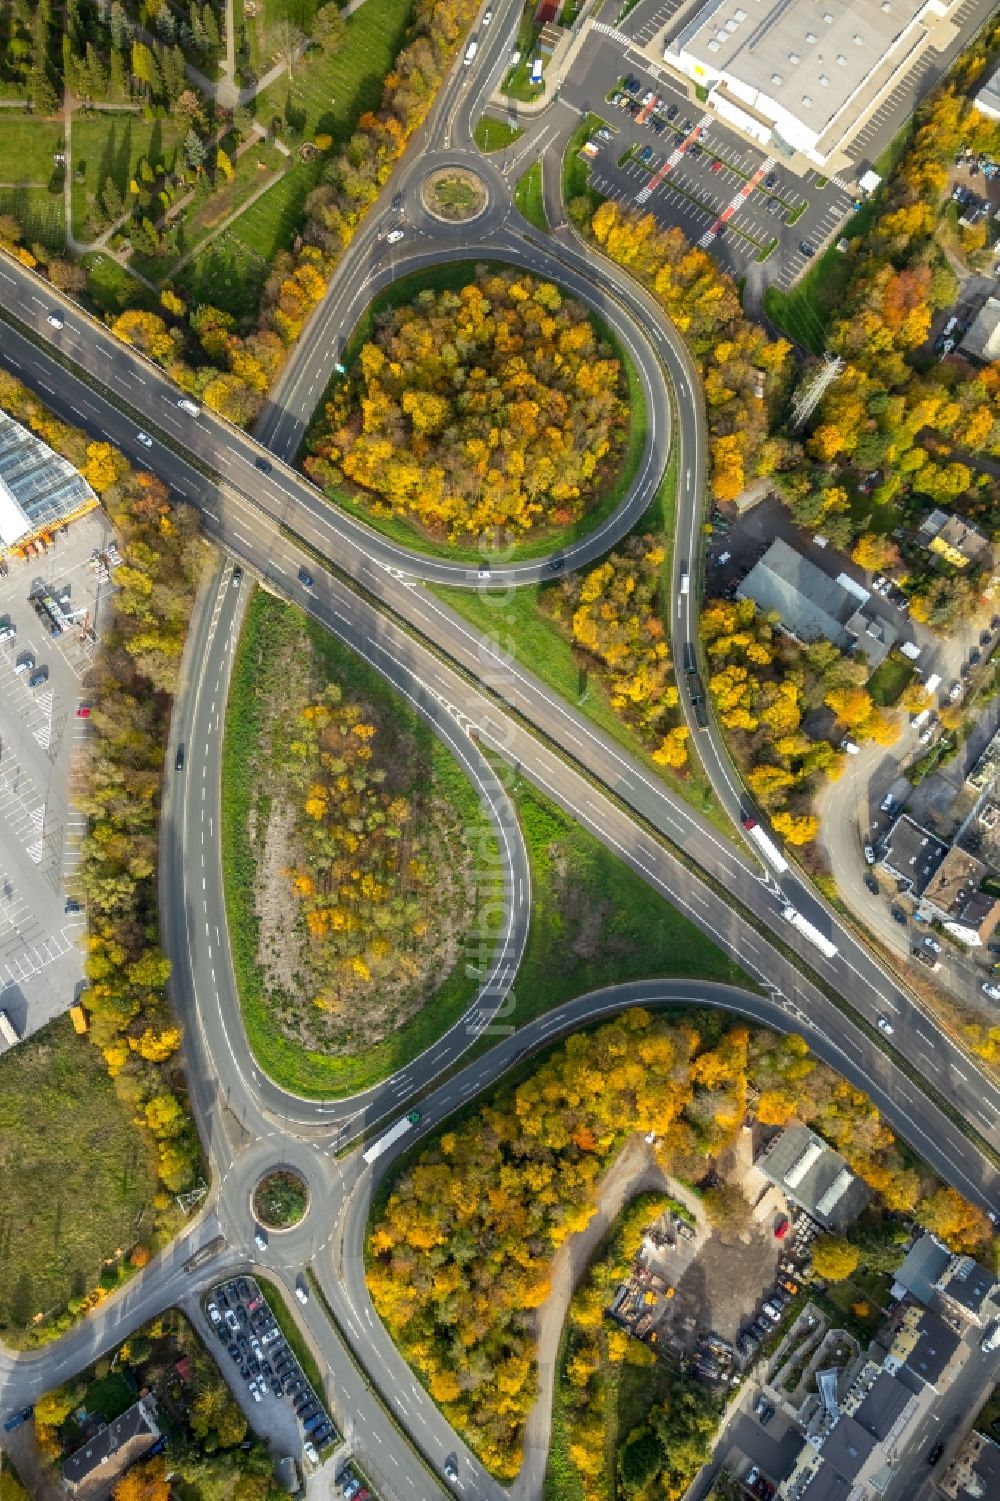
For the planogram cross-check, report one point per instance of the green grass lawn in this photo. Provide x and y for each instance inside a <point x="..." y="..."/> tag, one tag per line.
<point x="332" y="90"/>
<point x="889" y="679"/>
<point x="111" y="146"/>
<point x="110" y="1395"/>
<point x="110" y="288"/>
<point x="75" y="1177"/>
<point x="27" y="146"/>
<point x="494" y="135"/>
<point x="258" y="166"/>
<point x="594" y="921"/>
<point x="39" y="212"/>
<point x="544" y="648"/>
<point x="528" y="197"/>
<point x="576" y="168"/>
<point x="864" y="1290"/>
<point x="403" y="531"/>
<point x="307" y="1072"/>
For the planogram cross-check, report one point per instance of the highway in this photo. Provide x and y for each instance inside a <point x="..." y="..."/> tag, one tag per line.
<point x="287" y="499"/>
<point x="477" y="698"/>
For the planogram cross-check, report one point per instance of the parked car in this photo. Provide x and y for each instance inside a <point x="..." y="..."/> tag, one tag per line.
<point x="932" y="944"/>
<point x="869" y="855"/>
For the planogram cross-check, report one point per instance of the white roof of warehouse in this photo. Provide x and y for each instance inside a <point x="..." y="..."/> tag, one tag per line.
<point x="812" y="55"/>
<point x="13" y="522"/>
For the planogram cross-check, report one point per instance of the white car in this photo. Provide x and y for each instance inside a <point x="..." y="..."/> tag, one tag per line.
<point x="487" y="17"/>
<point x="214" y="1314"/>
<point x="309" y="1450"/>
<point x="886" y="802"/>
<point x="191" y="407"/>
<point x="394" y="236"/>
<point x="259" y="1240"/>
<point x="955" y="692"/>
<point x="256" y="1391"/>
<point x="993" y="991"/>
<point x="301" y="1293"/>
<point x="933" y="945"/>
<point x="869" y="854"/>
<point x="232" y="1320"/>
<point x="25" y="663"/>
<point x="144" y="439"/>
<point x="885" y="1025"/>
<point x="55" y="319"/>
<point x="752" y="1475"/>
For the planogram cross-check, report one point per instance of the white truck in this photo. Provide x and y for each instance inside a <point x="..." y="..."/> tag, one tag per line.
<point x="8" y="1033"/>
<point x="766" y="845"/>
<point x="389" y="1138"/>
<point x="809" y="933"/>
<point x="470" y="52"/>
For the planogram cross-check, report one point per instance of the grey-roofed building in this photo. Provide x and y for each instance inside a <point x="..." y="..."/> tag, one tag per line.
<point x="812" y="606"/>
<point x="982" y="341"/>
<point x="116" y="1447"/>
<point x="974" y="1473"/>
<point x="987" y="100"/>
<point x="923" y="1351"/>
<point x="969" y="1289"/>
<point x="953" y="892"/>
<point x="911" y="854"/>
<point x="802" y="76"/>
<point x="810" y="1172"/>
<point x="882" y="1405"/>
<point x="922" y="1265"/>
<point x="39" y="489"/>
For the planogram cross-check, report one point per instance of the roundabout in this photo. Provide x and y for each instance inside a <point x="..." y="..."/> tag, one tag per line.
<point x="455" y="195"/>
<point x="280" y="1198"/>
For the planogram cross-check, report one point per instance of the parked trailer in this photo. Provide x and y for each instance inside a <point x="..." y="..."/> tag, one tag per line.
<point x="811" y="934"/>
<point x="766" y="845"/>
<point x="8" y="1034"/>
<point x="389" y="1138"/>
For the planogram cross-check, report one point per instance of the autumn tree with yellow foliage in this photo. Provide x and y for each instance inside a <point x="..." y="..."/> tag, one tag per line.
<point x="460" y="1255"/>
<point x="763" y="685"/>
<point x="614" y="614"/>
<point x="495" y="406"/>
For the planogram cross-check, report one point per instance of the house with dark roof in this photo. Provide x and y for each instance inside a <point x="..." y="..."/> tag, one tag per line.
<point x="954" y="893"/>
<point x="974" y="1473"/>
<point x="924" y="1351"/>
<point x="970" y="1290"/>
<point x="911" y="854"/>
<point x="114" y="1448"/>
<point x="922" y="1265"/>
<point x="809" y="1172"/>
<point x="812" y="606"/>
<point x="950" y="537"/>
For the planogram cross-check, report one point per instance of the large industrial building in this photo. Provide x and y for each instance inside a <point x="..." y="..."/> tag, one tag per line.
<point x="801" y="77"/>
<point x="39" y="489"/>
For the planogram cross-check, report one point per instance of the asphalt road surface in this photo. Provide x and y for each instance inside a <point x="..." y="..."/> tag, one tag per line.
<point x="466" y="687"/>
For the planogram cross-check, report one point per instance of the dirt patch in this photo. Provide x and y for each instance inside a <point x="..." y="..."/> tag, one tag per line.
<point x="723" y="1284"/>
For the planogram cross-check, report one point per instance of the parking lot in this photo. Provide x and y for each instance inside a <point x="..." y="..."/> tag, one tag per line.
<point x="281" y="1400"/>
<point x="50" y="614"/>
<point x="667" y="155"/>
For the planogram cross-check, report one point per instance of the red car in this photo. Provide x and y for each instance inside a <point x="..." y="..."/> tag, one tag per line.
<point x="781" y="1228"/>
<point x="83" y="712"/>
<point x="716" y="166"/>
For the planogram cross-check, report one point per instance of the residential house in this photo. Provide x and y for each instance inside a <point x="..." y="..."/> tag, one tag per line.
<point x="955" y="896"/>
<point x="952" y="538"/>
<point x="911" y="854"/>
<point x="114" y="1448"/>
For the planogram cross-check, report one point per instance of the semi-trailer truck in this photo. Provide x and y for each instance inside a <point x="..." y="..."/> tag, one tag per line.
<point x="389" y="1138"/>
<point x="766" y="845"/>
<point x="811" y="934"/>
